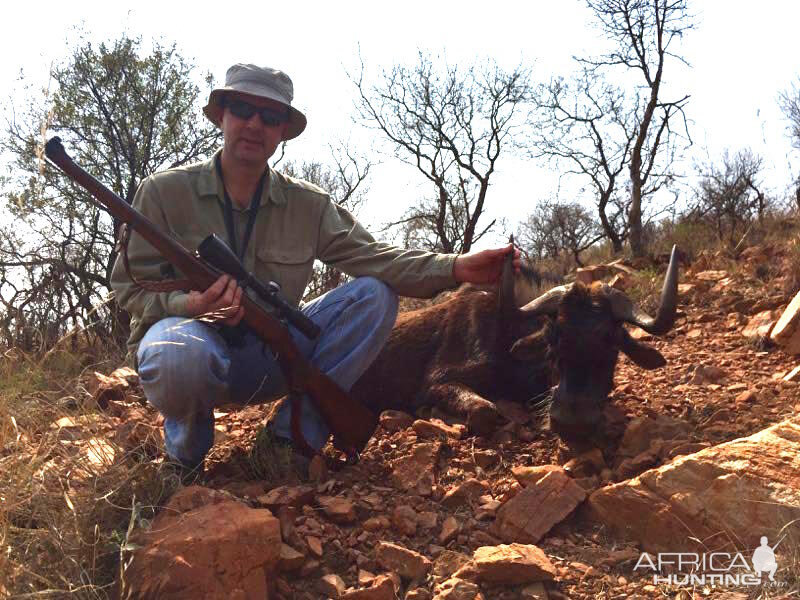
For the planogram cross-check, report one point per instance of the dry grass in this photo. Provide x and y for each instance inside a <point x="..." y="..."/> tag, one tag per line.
<point x="68" y="494"/>
<point x="788" y="559"/>
<point x="267" y="460"/>
<point x="792" y="285"/>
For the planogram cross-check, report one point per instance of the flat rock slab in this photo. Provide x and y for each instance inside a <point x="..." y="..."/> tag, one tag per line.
<point x="732" y="493"/>
<point x="512" y="564"/>
<point x="203" y="545"/>
<point x="405" y="519"/>
<point x="466" y="492"/>
<point x="587" y="275"/>
<point x="641" y="431"/>
<point x="404" y="562"/>
<point x="290" y="559"/>
<point x="337" y="509"/>
<point x="382" y="588"/>
<point x="437" y="429"/>
<point x="287" y="495"/>
<point x="529" y="515"/>
<point x="786" y="332"/>
<point x="528" y="476"/>
<point x="761" y="324"/>
<point x="416" y="471"/>
<point x="331" y="586"/>
<point x="450" y="529"/>
<point x="457" y="589"/>
<point x="711" y="275"/>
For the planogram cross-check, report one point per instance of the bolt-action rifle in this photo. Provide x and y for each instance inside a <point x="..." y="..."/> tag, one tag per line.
<point x="352" y="424"/>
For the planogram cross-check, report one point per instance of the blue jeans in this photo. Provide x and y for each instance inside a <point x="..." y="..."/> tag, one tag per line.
<point x="187" y="368"/>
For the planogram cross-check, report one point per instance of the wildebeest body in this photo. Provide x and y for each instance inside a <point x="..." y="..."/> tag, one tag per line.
<point x="455" y="355"/>
<point x="481" y="346"/>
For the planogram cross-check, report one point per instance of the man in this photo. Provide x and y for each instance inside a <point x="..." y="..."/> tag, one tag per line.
<point x="189" y="356"/>
<point x="764" y="559"/>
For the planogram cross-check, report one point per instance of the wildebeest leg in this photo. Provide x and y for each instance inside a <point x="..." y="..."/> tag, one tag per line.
<point x="480" y="415"/>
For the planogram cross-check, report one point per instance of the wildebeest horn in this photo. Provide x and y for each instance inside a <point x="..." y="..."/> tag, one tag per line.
<point x="505" y="294"/>
<point x="547" y="303"/>
<point x="625" y="310"/>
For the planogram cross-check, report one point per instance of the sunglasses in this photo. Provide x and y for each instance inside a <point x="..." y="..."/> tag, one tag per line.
<point x="270" y="117"/>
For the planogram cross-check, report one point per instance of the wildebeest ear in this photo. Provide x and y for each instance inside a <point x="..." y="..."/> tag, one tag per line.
<point x="640" y="353"/>
<point x="531" y="347"/>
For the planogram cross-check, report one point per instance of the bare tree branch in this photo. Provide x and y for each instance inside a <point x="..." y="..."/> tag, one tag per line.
<point x="452" y="125"/>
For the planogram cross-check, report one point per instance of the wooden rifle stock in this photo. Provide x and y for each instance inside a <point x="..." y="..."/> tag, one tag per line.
<point x="351" y="423"/>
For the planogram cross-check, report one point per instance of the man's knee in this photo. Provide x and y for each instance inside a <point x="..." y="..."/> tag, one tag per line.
<point x="183" y="366"/>
<point x="380" y="298"/>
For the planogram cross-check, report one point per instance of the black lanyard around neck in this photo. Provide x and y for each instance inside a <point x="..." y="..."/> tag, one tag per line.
<point x="228" y="213"/>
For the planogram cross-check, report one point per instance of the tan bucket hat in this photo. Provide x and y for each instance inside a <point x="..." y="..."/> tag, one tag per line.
<point x="257" y="81"/>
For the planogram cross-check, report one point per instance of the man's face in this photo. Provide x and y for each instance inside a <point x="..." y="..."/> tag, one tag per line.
<point x="249" y="141"/>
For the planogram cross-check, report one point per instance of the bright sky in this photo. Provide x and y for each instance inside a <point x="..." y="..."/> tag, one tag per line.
<point x="741" y="58"/>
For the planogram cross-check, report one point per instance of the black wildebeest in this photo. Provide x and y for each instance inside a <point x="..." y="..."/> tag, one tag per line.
<point x="481" y="346"/>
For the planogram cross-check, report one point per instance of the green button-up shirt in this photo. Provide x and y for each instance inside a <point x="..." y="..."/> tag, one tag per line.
<point x="296" y="223"/>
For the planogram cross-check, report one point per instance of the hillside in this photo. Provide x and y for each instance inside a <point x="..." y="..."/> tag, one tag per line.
<point x="80" y="484"/>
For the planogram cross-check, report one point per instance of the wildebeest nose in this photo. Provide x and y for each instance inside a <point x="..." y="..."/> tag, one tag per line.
<point x="573" y="424"/>
<point x="575" y="416"/>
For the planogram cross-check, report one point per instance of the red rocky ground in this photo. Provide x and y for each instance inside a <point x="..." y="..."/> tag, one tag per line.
<point x="435" y="491"/>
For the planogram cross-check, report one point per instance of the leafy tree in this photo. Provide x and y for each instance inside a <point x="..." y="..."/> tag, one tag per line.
<point x="451" y="124"/>
<point x="123" y="113"/>
<point x="730" y="195"/>
<point x="554" y="228"/>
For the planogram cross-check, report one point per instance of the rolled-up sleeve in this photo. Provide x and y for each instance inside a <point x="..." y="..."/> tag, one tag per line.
<point x="346" y="245"/>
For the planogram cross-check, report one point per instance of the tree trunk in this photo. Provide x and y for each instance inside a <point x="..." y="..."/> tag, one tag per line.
<point x="797" y="194"/>
<point x="635" y="236"/>
<point x="577" y="255"/>
<point x="616" y="242"/>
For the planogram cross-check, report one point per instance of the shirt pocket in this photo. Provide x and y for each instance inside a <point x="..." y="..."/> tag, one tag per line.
<point x="290" y="268"/>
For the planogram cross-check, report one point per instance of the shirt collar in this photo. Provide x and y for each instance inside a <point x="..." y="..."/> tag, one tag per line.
<point x="209" y="184"/>
<point x="275" y="189"/>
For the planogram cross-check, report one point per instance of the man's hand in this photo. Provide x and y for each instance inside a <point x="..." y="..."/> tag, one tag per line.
<point x="484" y="266"/>
<point x="221" y="302"/>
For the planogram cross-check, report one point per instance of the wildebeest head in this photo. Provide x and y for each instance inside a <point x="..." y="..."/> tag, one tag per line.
<point x="582" y="340"/>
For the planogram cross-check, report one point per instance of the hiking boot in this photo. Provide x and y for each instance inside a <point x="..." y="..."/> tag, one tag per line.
<point x="275" y="458"/>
